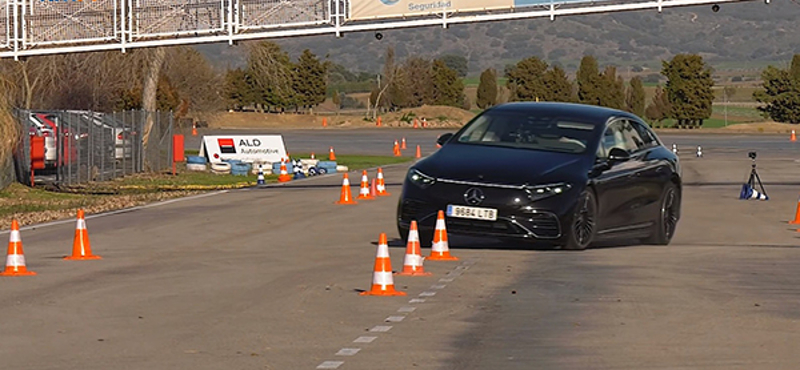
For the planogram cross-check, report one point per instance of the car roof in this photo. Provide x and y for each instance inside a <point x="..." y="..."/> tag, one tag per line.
<point x="587" y="113"/>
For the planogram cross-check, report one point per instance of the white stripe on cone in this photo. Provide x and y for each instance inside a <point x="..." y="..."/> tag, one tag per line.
<point x="81" y="224"/>
<point x="14" y="237"/>
<point x="15" y="260"/>
<point x="346" y="182"/>
<point x="440" y="247"/>
<point x="382" y="278"/>
<point x="383" y="251"/>
<point x="413" y="260"/>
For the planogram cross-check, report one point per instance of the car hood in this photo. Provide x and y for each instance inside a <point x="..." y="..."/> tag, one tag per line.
<point x="504" y="165"/>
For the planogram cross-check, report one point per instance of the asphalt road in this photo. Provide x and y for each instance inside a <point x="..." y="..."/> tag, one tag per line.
<point x="269" y="279"/>
<point x="380" y="141"/>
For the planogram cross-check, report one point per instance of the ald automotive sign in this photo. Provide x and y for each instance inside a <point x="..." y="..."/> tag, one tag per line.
<point x="365" y="9"/>
<point x="262" y="148"/>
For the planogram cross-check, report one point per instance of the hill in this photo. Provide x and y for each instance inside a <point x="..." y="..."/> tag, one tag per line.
<point x="743" y="35"/>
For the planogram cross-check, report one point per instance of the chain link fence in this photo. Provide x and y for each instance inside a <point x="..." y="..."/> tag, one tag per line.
<point x="85" y="146"/>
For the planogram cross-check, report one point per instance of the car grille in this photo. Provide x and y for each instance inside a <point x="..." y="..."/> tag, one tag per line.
<point x="543" y="225"/>
<point x="413" y="210"/>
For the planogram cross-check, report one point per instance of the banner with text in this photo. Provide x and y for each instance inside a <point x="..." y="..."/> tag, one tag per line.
<point x="368" y="9"/>
<point x="246" y="148"/>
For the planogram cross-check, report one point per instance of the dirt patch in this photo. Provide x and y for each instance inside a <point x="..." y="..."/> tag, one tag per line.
<point x="436" y="117"/>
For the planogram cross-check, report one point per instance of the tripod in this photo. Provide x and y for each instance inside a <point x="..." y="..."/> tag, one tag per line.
<point x="755" y="179"/>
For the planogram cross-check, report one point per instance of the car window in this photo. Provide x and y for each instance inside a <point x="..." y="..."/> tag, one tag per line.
<point x="523" y="130"/>
<point x="633" y="141"/>
<point x="648" y="137"/>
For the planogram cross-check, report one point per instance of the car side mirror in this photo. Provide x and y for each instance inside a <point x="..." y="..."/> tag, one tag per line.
<point x="618" y="155"/>
<point x="444" y="138"/>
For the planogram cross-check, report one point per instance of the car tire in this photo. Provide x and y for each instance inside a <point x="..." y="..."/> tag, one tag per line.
<point x="583" y="223"/>
<point x="669" y="212"/>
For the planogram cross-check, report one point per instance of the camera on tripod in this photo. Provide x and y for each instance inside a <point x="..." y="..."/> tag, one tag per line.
<point x="752" y="155"/>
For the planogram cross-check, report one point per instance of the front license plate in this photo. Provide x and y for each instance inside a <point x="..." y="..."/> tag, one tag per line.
<point x="475" y="213"/>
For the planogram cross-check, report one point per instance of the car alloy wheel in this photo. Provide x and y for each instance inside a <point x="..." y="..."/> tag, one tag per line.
<point x="583" y="222"/>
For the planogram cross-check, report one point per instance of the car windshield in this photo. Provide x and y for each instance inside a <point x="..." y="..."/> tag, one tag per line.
<point x="528" y="131"/>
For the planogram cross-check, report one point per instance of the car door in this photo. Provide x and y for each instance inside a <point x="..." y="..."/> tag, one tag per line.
<point x="613" y="180"/>
<point x="654" y="174"/>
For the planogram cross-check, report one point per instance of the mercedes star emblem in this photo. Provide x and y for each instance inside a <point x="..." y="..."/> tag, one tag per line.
<point x="474" y="196"/>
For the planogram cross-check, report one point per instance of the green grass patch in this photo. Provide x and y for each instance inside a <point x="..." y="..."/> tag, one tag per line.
<point x="474" y="81"/>
<point x="360" y="162"/>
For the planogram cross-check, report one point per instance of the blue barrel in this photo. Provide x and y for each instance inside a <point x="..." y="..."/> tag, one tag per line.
<point x="195" y="159"/>
<point x="327" y="166"/>
<point x="276" y="168"/>
<point x="240" y="169"/>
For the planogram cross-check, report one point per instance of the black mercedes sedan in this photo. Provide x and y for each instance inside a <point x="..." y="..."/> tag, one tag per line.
<point x="558" y="173"/>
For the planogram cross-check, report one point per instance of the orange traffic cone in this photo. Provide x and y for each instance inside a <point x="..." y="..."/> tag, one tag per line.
<point x="194" y="129"/>
<point x="331" y="155"/>
<point x="382" y="280"/>
<point x="396" y="149"/>
<point x="378" y="122"/>
<point x="419" y="153"/>
<point x="440" y="250"/>
<point x="412" y="264"/>
<point x="381" y="185"/>
<point x="313" y="156"/>
<point x="416" y="123"/>
<point x="346" y="197"/>
<point x="363" y="192"/>
<point x="15" y="262"/>
<point x="403" y="144"/>
<point x="796" y="215"/>
<point x="324" y="122"/>
<point x="81" y="249"/>
<point x="793" y="137"/>
<point x="284" y="176"/>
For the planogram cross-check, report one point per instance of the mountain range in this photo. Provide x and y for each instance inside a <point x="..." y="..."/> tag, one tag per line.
<point x="739" y="34"/>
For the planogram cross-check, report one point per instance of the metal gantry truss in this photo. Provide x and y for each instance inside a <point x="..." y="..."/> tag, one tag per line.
<point x="39" y="27"/>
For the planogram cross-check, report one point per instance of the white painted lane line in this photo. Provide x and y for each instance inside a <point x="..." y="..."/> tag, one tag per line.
<point x="365" y="339"/>
<point x="446" y="280"/>
<point x="347" y="351"/>
<point x="427" y="294"/>
<point x="406" y="309"/>
<point x="417" y="300"/>
<point x="380" y="329"/>
<point x="395" y="318"/>
<point x="330" y="365"/>
<point x="438" y="286"/>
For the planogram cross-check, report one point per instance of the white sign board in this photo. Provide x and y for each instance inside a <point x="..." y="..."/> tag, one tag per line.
<point x="246" y="148"/>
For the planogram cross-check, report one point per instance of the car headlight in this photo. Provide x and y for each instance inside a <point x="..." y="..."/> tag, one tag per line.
<point x="540" y="192"/>
<point x="420" y="179"/>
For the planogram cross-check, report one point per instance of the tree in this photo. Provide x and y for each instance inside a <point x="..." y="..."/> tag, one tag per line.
<point x="526" y="80"/>
<point x="272" y="73"/>
<point x="588" y="79"/>
<point x="634" y="100"/>
<point x="457" y="63"/>
<point x="557" y="86"/>
<point x="780" y="92"/>
<point x="195" y="80"/>
<point x="414" y="84"/>
<point x="337" y="100"/>
<point x="611" y="89"/>
<point x="310" y="80"/>
<point x="689" y="89"/>
<point x="487" y="89"/>
<point x="659" y="108"/>
<point x="446" y="86"/>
